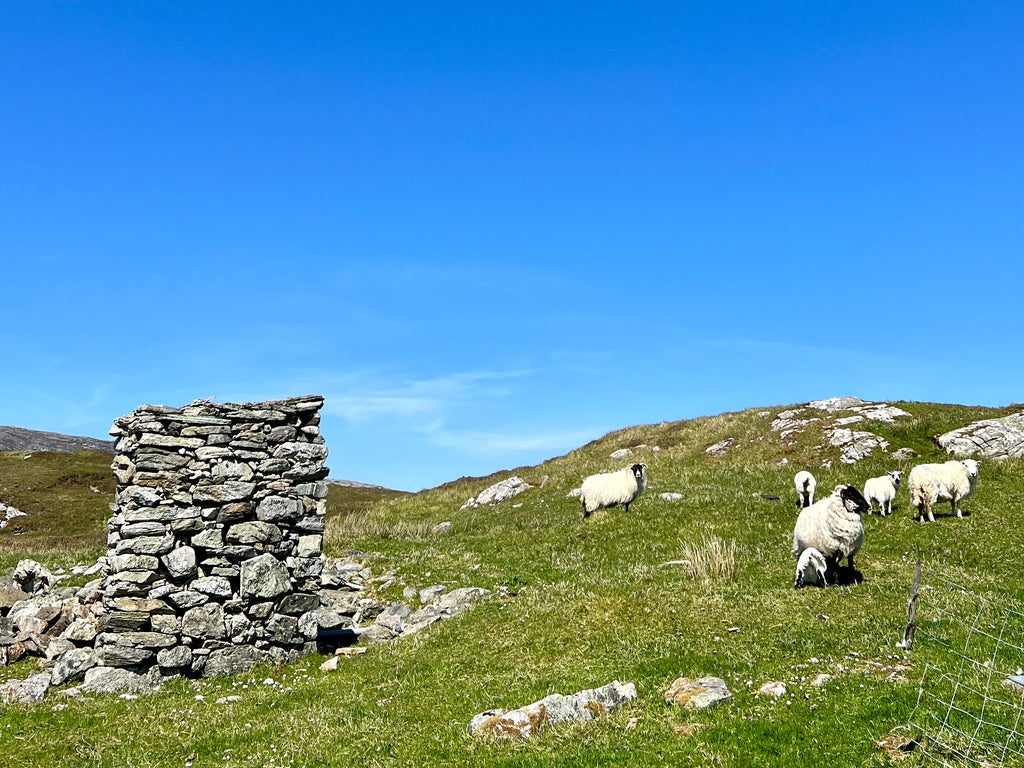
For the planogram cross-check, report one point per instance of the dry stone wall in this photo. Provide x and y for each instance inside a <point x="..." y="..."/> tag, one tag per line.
<point x="214" y="548"/>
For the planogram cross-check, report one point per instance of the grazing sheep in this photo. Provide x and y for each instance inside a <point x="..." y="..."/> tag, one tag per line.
<point x="952" y="481"/>
<point x="833" y="526"/>
<point x="805" y="484"/>
<point x="610" y="488"/>
<point x="811" y="568"/>
<point x="883" y="490"/>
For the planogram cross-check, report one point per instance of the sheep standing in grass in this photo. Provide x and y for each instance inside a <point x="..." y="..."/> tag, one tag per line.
<point x="610" y="488"/>
<point x="833" y="526"/>
<point x="805" y="484"/>
<point x="883" y="490"/>
<point x="811" y="568"/>
<point x="952" y="481"/>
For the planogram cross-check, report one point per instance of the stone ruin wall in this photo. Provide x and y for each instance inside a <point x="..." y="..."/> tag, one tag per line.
<point x="214" y="546"/>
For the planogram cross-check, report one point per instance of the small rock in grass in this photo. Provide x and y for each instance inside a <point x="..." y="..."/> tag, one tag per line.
<point x="695" y="695"/>
<point x="774" y="689"/>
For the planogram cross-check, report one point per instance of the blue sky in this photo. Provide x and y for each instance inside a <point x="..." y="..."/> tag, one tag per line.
<point x="491" y="232"/>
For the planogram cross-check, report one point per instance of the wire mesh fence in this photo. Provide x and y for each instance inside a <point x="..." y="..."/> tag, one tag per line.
<point x="970" y="706"/>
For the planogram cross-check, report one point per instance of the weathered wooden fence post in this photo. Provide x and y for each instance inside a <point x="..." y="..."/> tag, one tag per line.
<point x="908" y="633"/>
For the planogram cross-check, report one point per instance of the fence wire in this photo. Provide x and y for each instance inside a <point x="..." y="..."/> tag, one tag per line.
<point x="970" y="704"/>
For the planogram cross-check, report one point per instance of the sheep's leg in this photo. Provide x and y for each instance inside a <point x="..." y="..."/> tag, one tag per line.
<point x="831" y="564"/>
<point x="799" y="582"/>
<point x="627" y="506"/>
<point x="822" y="578"/>
<point x="586" y="512"/>
<point x="956" y="507"/>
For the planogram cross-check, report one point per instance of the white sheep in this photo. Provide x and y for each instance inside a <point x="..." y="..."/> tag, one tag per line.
<point x="952" y="481"/>
<point x="833" y="526"/>
<point x="811" y="568"/>
<point x="805" y="484"/>
<point x="610" y="488"/>
<point x="883" y="490"/>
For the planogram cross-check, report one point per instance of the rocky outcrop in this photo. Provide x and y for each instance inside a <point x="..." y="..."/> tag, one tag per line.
<point x="854" y="445"/>
<point x="8" y="513"/>
<point x="995" y="439"/>
<point x="497" y="493"/>
<point x="720" y="448"/>
<point x="580" y="707"/>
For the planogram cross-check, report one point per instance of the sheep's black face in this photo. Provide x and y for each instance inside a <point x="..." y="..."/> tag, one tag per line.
<point x="853" y="501"/>
<point x="638" y="470"/>
<point x="896" y="477"/>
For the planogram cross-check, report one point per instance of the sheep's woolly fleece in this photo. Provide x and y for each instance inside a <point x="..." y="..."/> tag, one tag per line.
<point x="805" y="485"/>
<point x="611" y="488"/>
<point x="952" y="481"/>
<point x="882" y="490"/>
<point x="833" y="525"/>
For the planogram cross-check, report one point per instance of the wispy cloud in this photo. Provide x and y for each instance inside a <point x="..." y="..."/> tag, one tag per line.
<point x="435" y="398"/>
<point x="808" y="351"/>
<point x="499" y="442"/>
<point x="428" y="406"/>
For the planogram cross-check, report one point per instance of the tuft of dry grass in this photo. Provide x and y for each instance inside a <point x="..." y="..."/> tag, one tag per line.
<point x="710" y="558"/>
<point x="344" y="529"/>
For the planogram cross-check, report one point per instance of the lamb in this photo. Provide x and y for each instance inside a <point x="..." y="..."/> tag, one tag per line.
<point x="833" y="526"/>
<point x="952" y="481"/>
<point x="610" y="488"/>
<point x="805" y="484"/>
<point x="883" y="490"/>
<point x="811" y="568"/>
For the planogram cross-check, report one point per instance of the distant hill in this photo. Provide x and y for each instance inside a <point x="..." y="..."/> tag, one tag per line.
<point x="352" y="484"/>
<point x="18" y="439"/>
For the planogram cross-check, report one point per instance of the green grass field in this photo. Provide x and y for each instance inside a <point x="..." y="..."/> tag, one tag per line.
<point x="583" y="603"/>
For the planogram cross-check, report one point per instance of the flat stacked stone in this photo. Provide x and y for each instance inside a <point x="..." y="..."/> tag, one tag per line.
<point x="215" y="543"/>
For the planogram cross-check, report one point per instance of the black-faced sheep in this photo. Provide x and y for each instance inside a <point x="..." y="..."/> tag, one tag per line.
<point x="952" y="481"/>
<point x="610" y="488"/>
<point x="833" y="526"/>
<point x="883" y="490"/>
<point x="805" y="484"/>
<point x="811" y="568"/>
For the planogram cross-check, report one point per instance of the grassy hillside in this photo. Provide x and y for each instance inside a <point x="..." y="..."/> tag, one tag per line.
<point x="586" y="602"/>
<point x="66" y="500"/>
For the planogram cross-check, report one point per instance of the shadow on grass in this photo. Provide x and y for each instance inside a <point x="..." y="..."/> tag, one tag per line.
<point x="845" y="576"/>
